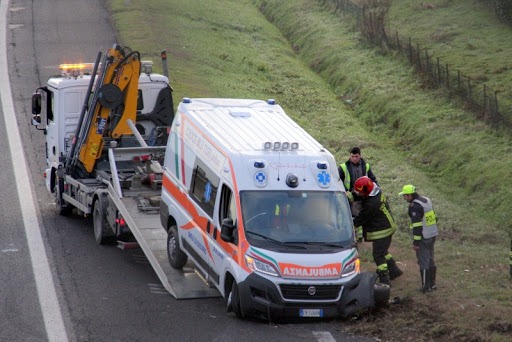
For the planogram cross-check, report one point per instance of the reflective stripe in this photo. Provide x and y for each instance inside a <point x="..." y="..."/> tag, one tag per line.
<point x="347" y="174"/>
<point x="386" y="212"/>
<point x="416" y="224"/>
<point x="417" y="237"/>
<point x="382" y="267"/>
<point x="380" y="234"/>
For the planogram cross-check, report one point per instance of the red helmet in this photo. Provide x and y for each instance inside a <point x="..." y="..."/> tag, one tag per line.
<point x="363" y="186"/>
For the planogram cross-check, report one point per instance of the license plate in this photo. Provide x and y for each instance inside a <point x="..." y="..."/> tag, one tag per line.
<point x="311" y="313"/>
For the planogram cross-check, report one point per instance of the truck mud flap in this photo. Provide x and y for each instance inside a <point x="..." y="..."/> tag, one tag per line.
<point x="358" y="294"/>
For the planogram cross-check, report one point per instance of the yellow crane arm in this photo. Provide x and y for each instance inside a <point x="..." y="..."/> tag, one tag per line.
<point x="117" y="102"/>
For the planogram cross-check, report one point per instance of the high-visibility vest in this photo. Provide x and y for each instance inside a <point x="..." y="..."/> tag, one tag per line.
<point x="429" y="221"/>
<point x="347" y="174"/>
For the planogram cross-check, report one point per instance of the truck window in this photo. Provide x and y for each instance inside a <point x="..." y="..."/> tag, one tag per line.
<point x="203" y="188"/>
<point x="51" y="109"/>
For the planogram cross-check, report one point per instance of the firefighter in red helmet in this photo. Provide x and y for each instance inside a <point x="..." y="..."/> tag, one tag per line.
<point x="378" y="227"/>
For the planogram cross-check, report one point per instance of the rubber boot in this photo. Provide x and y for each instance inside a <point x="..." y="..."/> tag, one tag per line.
<point x="433" y="278"/>
<point x="384" y="277"/>
<point x="394" y="271"/>
<point x="425" y="281"/>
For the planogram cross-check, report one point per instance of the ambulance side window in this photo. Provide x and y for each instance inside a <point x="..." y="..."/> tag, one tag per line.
<point x="203" y="188"/>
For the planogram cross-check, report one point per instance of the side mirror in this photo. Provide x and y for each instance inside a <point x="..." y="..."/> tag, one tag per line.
<point x="36" y="104"/>
<point x="226" y="232"/>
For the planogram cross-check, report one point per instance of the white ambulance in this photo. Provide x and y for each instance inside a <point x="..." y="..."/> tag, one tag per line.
<point x="257" y="205"/>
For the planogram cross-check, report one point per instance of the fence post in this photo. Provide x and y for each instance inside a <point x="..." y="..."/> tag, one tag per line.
<point x="485" y="103"/>
<point x="410" y="51"/>
<point x="419" y="55"/>
<point x="438" y="71"/>
<point x="398" y="43"/>
<point x="470" y="96"/>
<point x="447" y="77"/>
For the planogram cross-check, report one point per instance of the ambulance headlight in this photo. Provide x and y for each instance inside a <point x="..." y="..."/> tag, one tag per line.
<point x="260" y="266"/>
<point x="351" y="268"/>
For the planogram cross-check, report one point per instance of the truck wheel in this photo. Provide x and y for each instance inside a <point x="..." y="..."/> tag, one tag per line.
<point x="63" y="208"/>
<point x="177" y="258"/>
<point x="233" y="301"/>
<point x="102" y="233"/>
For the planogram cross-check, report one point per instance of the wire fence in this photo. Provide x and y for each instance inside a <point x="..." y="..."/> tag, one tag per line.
<point x="479" y="99"/>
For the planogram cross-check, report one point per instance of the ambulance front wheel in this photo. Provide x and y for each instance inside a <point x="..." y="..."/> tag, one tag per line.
<point x="177" y="258"/>
<point x="233" y="301"/>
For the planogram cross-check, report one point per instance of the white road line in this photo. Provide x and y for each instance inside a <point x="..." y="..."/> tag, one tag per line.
<point x="54" y="324"/>
<point x="323" y="336"/>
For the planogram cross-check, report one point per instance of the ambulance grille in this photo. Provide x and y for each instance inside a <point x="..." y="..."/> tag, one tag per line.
<point x="302" y="292"/>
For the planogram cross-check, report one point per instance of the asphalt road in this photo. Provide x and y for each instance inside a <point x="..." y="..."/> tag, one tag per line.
<point x="65" y="286"/>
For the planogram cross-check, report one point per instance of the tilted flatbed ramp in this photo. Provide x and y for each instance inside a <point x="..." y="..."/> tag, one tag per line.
<point x="152" y="238"/>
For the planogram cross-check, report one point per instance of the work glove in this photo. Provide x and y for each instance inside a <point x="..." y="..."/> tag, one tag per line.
<point x="350" y="196"/>
<point x="359" y="234"/>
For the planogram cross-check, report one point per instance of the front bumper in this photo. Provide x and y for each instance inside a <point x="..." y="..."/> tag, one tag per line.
<point x="278" y="301"/>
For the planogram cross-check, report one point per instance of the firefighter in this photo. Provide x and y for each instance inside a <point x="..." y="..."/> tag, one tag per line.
<point x="378" y="227"/>
<point x="424" y="232"/>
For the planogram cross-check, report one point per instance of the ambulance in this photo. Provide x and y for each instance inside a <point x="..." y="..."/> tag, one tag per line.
<point x="256" y="204"/>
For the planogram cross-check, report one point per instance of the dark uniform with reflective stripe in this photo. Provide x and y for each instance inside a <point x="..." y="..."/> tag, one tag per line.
<point x="378" y="226"/>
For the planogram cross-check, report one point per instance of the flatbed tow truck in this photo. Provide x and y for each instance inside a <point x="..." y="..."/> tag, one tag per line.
<point x="106" y="132"/>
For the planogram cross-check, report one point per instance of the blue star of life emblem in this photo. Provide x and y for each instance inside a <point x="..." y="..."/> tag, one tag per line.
<point x="260" y="178"/>
<point x="324" y="178"/>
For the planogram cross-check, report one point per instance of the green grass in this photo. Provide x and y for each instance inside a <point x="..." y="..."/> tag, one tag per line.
<point x="465" y="34"/>
<point x="345" y="93"/>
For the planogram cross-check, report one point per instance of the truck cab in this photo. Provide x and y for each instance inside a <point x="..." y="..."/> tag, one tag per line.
<point x="57" y="107"/>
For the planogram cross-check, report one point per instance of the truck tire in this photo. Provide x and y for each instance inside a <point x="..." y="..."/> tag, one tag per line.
<point x="102" y="233"/>
<point x="63" y="208"/>
<point x="177" y="258"/>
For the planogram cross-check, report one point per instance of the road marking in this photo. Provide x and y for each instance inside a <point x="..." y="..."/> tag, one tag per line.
<point x="323" y="336"/>
<point x="52" y="315"/>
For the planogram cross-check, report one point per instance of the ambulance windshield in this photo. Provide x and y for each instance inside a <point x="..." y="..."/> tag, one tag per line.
<point x="297" y="218"/>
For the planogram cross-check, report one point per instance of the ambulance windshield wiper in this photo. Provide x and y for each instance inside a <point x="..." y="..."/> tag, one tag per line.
<point x="277" y="242"/>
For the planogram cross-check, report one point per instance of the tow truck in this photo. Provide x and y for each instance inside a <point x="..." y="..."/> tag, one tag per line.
<point x="106" y="126"/>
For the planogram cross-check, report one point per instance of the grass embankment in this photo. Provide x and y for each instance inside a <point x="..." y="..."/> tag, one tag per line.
<point x="345" y="94"/>
<point x="465" y="34"/>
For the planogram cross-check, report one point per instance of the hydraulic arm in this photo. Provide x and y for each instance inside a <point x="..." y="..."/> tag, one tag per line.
<point x="113" y="102"/>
